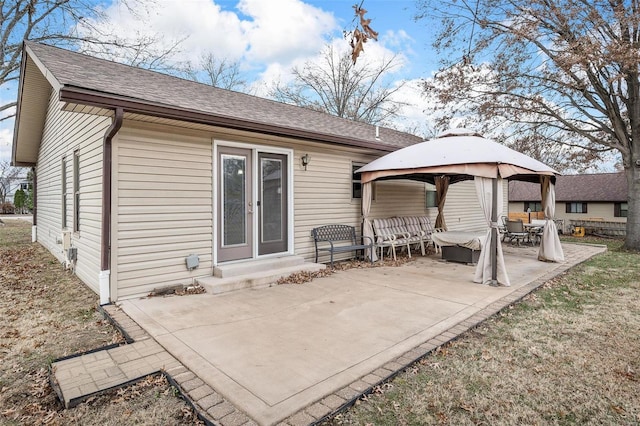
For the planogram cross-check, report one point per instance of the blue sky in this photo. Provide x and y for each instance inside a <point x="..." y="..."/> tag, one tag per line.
<point x="269" y="37"/>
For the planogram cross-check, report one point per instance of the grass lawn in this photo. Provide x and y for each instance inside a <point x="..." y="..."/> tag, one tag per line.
<point x="47" y="313"/>
<point x="568" y="354"/>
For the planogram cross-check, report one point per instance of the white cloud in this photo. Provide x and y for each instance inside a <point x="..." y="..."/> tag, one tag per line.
<point x="282" y="30"/>
<point x="256" y="31"/>
<point x="412" y="116"/>
<point x="201" y="25"/>
<point x="396" y="39"/>
<point x="6" y="138"/>
<point x="11" y="111"/>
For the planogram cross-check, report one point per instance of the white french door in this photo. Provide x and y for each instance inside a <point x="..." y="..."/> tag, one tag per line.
<point x="252" y="203"/>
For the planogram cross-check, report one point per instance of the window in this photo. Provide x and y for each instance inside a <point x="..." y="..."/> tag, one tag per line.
<point x="620" y="209"/>
<point x="63" y="173"/>
<point x="535" y="206"/>
<point x="356" y="183"/>
<point x="430" y="197"/>
<point x="576" y="207"/>
<point x="76" y="191"/>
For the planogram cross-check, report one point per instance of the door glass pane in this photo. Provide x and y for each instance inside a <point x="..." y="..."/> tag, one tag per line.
<point x="234" y="170"/>
<point x="271" y="175"/>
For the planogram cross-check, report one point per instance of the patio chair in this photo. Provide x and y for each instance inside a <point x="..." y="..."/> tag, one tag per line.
<point x="389" y="234"/>
<point x="437" y="247"/>
<point x="425" y="223"/>
<point x="516" y="232"/>
<point x="502" y="226"/>
<point x="417" y="235"/>
<point x="535" y="230"/>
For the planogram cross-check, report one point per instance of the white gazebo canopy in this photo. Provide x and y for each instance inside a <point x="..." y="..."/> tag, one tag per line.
<point x="460" y="154"/>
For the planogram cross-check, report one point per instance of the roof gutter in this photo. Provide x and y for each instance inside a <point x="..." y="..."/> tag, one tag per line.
<point x="105" y="243"/>
<point x="102" y="100"/>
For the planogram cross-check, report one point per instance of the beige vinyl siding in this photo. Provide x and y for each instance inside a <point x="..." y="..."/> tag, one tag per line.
<point x="162" y="209"/>
<point x="323" y="195"/>
<point x="400" y="198"/>
<point x="462" y="210"/>
<point x="164" y="198"/>
<point x="63" y="133"/>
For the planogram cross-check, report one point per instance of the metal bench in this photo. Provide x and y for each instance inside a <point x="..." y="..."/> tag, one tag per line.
<point x="340" y="239"/>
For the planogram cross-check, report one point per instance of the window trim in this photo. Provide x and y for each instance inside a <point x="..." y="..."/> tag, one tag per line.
<point x="357" y="165"/>
<point x="426" y="198"/>
<point x="617" y="210"/>
<point x="527" y="205"/>
<point x="76" y="191"/>
<point x="64" y="192"/>
<point x="356" y="181"/>
<point x="584" y="209"/>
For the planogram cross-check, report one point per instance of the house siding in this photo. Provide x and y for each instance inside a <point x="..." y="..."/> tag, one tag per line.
<point x="162" y="203"/>
<point x="65" y="132"/>
<point x="604" y="211"/>
<point x="163" y="200"/>
<point x="462" y="210"/>
<point x="323" y="195"/>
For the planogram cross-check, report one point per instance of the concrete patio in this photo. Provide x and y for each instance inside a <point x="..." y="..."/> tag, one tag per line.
<point x="288" y="351"/>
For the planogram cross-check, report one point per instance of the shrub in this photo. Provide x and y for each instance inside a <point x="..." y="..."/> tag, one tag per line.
<point x="7" y="208"/>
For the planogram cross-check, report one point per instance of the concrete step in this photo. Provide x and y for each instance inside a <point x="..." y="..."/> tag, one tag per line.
<point x="216" y="285"/>
<point x="262" y="265"/>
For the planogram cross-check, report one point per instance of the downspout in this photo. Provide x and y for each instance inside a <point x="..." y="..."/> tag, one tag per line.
<point x="34" y="213"/>
<point x="105" y="243"/>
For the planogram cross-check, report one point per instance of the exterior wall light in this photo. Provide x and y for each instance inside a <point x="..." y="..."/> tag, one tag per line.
<point x="305" y="160"/>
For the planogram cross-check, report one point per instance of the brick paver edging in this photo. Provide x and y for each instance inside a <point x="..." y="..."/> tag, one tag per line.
<point x="346" y="397"/>
<point x="213" y="409"/>
<point x="209" y="405"/>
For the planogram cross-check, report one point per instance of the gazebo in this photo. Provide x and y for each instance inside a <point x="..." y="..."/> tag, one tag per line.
<point x="457" y="155"/>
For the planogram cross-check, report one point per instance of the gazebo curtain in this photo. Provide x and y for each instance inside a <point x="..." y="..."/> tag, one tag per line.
<point x="442" y="186"/>
<point x="367" y="227"/>
<point x="550" y="247"/>
<point x="483" y="269"/>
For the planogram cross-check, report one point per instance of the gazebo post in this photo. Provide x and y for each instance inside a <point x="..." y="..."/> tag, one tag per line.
<point x="494" y="232"/>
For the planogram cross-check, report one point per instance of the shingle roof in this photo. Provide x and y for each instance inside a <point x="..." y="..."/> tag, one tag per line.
<point x="73" y="70"/>
<point x="604" y="187"/>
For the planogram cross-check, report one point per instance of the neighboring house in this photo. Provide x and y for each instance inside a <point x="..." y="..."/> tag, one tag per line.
<point x="601" y="196"/>
<point x="15" y="184"/>
<point x="136" y="170"/>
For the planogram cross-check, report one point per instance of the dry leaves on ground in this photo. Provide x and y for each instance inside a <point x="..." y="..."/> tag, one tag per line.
<point x="307" y="276"/>
<point x="47" y="313"/>
<point x="178" y="290"/>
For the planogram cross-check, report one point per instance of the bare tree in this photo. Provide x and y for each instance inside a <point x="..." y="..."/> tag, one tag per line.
<point x="218" y="72"/>
<point x="568" y="70"/>
<point x="461" y="92"/>
<point x="8" y="179"/>
<point x="339" y="87"/>
<point x="69" y="23"/>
